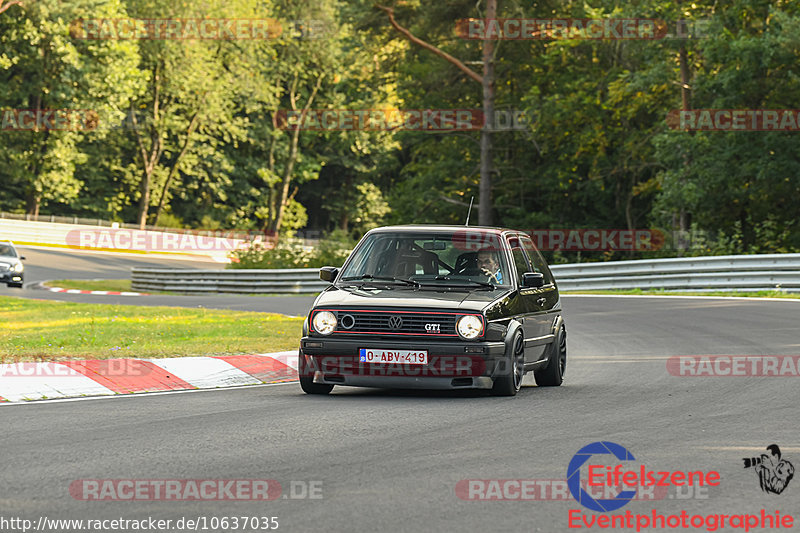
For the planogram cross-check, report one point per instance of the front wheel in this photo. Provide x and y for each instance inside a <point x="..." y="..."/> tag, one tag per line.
<point x="309" y="387"/>
<point x="553" y="374"/>
<point x="512" y="369"/>
<point x="307" y="378"/>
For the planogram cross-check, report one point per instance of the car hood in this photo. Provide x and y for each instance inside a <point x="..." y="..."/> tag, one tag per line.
<point x="475" y="300"/>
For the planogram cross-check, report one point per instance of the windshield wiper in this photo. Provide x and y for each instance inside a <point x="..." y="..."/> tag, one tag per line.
<point x="462" y="281"/>
<point x="370" y="277"/>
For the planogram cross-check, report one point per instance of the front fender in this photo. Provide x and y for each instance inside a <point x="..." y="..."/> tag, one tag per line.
<point x="501" y="366"/>
<point x="513" y="327"/>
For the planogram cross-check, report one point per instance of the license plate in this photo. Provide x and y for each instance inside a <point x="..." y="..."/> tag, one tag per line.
<point x="406" y="357"/>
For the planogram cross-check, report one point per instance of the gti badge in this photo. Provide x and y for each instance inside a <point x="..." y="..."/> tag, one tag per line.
<point x="432" y="328"/>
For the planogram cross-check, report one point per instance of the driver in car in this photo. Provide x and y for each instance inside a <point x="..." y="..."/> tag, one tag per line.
<point x="489" y="265"/>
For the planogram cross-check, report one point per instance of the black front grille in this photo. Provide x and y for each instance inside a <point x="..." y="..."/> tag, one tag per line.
<point x="409" y="323"/>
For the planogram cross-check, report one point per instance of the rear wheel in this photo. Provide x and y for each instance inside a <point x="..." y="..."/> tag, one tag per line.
<point x="553" y="374"/>
<point x="513" y="369"/>
<point x="307" y="378"/>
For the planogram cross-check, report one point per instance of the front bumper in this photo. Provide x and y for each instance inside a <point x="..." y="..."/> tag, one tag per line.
<point x="9" y="276"/>
<point x="452" y="364"/>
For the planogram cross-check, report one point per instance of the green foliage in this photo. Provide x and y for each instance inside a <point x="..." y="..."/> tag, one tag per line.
<point x="293" y="253"/>
<point x="596" y="151"/>
<point x="287" y="253"/>
<point x="43" y="68"/>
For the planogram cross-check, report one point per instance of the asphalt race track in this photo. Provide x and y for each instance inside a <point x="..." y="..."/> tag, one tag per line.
<point x="50" y="264"/>
<point x="55" y="263"/>
<point x="391" y="460"/>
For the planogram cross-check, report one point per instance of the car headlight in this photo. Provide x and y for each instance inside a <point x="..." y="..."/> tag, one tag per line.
<point x="324" y="322"/>
<point x="18" y="267"/>
<point x="469" y="327"/>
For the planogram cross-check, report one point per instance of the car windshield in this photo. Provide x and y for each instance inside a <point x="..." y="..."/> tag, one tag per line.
<point x="429" y="258"/>
<point x="6" y="250"/>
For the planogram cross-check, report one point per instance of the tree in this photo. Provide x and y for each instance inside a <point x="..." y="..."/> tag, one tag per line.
<point x="487" y="84"/>
<point x="47" y="73"/>
<point x="191" y="102"/>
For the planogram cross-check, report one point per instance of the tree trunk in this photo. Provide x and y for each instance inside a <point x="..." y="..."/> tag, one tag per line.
<point x="149" y="161"/>
<point x="485" y="188"/>
<point x="172" y="171"/>
<point x="686" y="105"/>
<point x="32" y="205"/>
<point x="144" y="199"/>
<point x="283" y="198"/>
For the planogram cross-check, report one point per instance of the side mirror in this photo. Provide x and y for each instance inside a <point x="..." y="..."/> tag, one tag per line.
<point x="22" y="258"/>
<point x="328" y="274"/>
<point x="532" y="279"/>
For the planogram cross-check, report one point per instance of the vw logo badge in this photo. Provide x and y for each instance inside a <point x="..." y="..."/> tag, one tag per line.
<point x="395" y="322"/>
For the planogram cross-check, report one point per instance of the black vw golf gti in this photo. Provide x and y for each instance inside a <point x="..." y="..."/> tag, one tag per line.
<point x="436" y="307"/>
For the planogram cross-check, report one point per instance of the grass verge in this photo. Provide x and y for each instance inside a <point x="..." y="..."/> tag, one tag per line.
<point x="753" y="294"/>
<point x="38" y="330"/>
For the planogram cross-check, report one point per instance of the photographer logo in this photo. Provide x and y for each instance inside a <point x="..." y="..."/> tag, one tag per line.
<point x="774" y="472"/>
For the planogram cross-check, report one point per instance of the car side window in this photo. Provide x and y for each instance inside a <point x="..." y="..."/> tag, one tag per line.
<point x="520" y="260"/>
<point x="538" y="262"/>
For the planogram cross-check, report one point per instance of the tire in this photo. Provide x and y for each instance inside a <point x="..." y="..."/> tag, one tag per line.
<point x="307" y="379"/>
<point x="513" y="369"/>
<point x="553" y="374"/>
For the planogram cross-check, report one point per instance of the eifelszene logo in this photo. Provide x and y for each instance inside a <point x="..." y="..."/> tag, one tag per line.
<point x="574" y="476"/>
<point x="618" y="477"/>
<point x="774" y="472"/>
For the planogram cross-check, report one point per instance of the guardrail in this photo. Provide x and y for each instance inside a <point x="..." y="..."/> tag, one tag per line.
<point x="238" y="281"/>
<point x="732" y="272"/>
<point x="727" y="272"/>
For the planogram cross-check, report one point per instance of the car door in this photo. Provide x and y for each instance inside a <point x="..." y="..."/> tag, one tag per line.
<point x="545" y="302"/>
<point x="525" y="299"/>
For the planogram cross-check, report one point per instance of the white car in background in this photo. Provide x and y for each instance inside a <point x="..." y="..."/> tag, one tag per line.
<point x="11" y="269"/>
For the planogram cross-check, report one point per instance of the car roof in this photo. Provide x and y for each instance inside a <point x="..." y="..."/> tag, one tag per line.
<point x="410" y="228"/>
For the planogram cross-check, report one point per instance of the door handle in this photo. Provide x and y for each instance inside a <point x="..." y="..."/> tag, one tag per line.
<point x="541" y="301"/>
